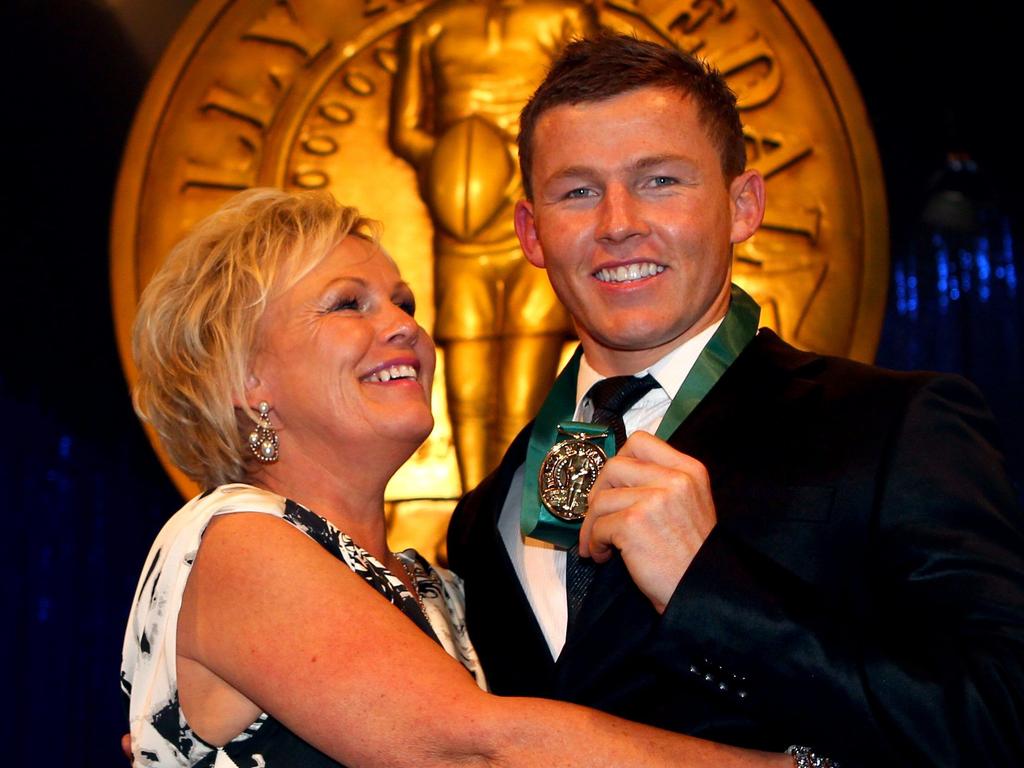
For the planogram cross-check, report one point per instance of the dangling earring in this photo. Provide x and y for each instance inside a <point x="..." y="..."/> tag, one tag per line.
<point x="263" y="440"/>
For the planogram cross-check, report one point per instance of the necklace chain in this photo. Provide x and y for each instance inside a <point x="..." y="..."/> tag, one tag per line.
<point x="412" y="580"/>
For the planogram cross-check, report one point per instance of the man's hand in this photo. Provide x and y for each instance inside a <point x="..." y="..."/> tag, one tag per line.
<point x="654" y="505"/>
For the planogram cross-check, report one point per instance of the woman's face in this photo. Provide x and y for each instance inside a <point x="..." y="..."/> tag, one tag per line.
<point x="341" y="361"/>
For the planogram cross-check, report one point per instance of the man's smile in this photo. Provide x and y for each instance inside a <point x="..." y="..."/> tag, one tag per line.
<point x="628" y="272"/>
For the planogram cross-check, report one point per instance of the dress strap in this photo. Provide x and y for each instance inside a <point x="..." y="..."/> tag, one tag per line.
<point x="360" y="561"/>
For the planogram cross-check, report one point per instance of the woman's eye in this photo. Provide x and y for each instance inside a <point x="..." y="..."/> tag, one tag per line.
<point x="347" y="303"/>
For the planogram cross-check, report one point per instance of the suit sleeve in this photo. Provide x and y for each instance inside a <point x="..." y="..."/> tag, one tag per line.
<point x="926" y="667"/>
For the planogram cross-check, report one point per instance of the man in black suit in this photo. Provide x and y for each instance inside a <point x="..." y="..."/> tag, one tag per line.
<point x="790" y="549"/>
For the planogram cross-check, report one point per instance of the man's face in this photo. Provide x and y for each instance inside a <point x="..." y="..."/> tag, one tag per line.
<point x="634" y="222"/>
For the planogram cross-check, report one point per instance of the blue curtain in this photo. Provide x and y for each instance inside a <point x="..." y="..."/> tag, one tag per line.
<point x="955" y="302"/>
<point x="82" y="495"/>
<point x="80" y="507"/>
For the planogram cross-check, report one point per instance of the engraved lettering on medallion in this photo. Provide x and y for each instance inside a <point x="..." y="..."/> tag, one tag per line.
<point x="772" y="153"/>
<point x="257" y="111"/>
<point x="677" y="21"/>
<point x="280" y="26"/>
<point x="688" y="16"/>
<point x="217" y="177"/>
<point x="752" y="71"/>
<point x="666" y="20"/>
<point x="222" y="176"/>
<point x="794" y="219"/>
<point x="373" y="7"/>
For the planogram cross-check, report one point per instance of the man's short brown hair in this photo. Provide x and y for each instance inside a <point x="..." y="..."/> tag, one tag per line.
<point x="606" y="65"/>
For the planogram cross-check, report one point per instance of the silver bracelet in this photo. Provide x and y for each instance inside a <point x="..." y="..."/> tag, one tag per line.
<point x="803" y="757"/>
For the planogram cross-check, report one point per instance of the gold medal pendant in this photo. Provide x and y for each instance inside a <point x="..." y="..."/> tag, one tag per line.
<point x="569" y="471"/>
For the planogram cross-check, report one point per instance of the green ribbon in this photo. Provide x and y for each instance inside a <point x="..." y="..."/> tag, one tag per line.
<point x="736" y="331"/>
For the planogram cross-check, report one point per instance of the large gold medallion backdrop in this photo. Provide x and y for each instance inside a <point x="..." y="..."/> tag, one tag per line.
<point x="409" y="110"/>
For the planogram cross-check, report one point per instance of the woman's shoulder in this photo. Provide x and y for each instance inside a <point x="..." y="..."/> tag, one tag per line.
<point x="178" y="540"/>
<point x="149" y="668"/>
<point x="179" y="537"/>
<point x="238" y="497"/>
<point x="196" y="514"/>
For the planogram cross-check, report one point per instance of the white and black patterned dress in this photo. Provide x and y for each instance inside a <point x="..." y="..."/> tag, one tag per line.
<point x="160" y="735"/>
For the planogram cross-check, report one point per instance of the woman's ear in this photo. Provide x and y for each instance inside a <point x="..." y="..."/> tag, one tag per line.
<point x="252" y="395"/>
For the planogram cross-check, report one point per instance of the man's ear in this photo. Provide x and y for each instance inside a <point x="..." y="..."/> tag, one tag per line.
<point x="746" y="196"/>
<point x="526" y="229"/>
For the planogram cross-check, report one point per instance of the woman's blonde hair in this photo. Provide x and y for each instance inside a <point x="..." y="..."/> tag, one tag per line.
<point x="197" y="320"/>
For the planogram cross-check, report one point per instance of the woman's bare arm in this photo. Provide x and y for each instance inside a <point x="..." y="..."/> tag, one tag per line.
<point x="271" y="618"/>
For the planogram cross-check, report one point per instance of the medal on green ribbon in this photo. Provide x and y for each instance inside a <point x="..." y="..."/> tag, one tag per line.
<point x="562" y="458"/>
<point x="569" y="470"/>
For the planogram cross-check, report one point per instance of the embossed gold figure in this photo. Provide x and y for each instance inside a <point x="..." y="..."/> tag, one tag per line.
<point x="465" y="71"/>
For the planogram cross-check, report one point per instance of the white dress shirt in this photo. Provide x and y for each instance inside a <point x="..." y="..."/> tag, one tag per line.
<point x="539" y="565"/>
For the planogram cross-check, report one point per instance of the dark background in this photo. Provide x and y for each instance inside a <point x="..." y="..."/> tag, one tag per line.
<point x="81" y="491"/>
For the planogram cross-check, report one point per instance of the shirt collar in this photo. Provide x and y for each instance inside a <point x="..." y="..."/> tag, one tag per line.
<point x="670" y="371"/>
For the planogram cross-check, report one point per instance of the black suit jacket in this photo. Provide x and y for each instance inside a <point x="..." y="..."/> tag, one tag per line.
<point x="862" y="592"/>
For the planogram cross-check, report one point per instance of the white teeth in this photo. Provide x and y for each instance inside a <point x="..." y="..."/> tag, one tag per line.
<point x="394" y="372"/>
<point x="625" y="274"/>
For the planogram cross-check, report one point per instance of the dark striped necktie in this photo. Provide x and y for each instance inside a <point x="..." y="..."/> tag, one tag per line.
<point x="611" y="398"/>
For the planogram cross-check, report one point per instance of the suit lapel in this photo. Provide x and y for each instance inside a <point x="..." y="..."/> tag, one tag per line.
<point x="738" y="393"/>
<point x="745" y="432"/>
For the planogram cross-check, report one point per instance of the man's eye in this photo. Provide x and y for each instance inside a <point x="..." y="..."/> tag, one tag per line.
<point x="663" y="181"/>
<point x="408" y="306"/>
<point x="574" y="194"/>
